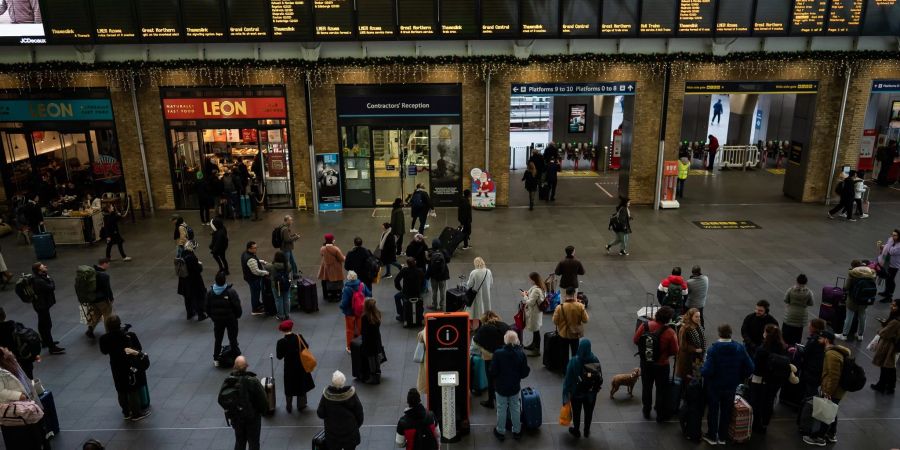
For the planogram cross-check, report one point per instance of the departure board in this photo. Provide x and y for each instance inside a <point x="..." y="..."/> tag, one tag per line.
<point x="658" y="17"/>
<point x="697" y="17"/>
<point x="375" y="18"/>
<point x="844" y="17"/>
<point x="809" y="16"/>
<point x="580" y="17"/>
<point x="417" y="18"/>
<point x="114" y="21"/>
<point x="291" y="19"/>
<point x="334" y="18"/>
<point x="203" y="20"/>
<point x="735" y="18"/>
<point x="619" y="18"/>
<point x="772" y="17"/>
<point x="248" y="20"/>
<point x="499" y="18"/>
<point x="159" y="20"/>
<point x="882" y="18"/>
<point x="458" y="18"/>
<point x="540" y="18"/>
<point x="66" y="20"/>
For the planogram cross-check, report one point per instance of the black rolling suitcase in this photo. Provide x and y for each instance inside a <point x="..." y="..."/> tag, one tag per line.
<point x="268" y="297"/>
<point x="268" y="384"/>
<point x="456" y="297"/>
<point x="413" y="313"/>
<point x="451" y="238"/>
<point x="690" y="412"/>
<point x="544" y="191"/>
<point x="333" y="290"/>
<point x="556" y="353"/>
<point x="307" y="295"/>
<point x="318" y="441"/>
<point x="359" y="366"/>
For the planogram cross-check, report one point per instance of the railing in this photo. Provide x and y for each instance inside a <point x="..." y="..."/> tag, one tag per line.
<point x="737" y="156"/>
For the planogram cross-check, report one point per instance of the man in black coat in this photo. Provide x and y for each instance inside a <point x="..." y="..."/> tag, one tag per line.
<point x="410" y="281"/>
<point x="416" y="418"/>
<point x="356" y="260"/>
<point x="568" y="270"/>
<point x="44" y="299"/>
<point x="102" y="304"/>
<point x="846" y="189"/>
<point x="247" y="428"/>
<point x="754" y="325"/>
<point x="120" y="344"/>
<point x="34" y="217"/>
<point x="464" y="215"/>
<point x="223" y="305"/>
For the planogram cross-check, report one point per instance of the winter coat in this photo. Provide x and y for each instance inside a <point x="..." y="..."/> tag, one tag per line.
<point x="356" y="261"/>
<point x="668" y="341"/>
<point x="831" y="371"/>
<point x="255" y="392"/>
<point x="192" y="285"/>
<point x="797" y="299"/>
<point x="568" y="270"/>
<point x="464" y="211"/>
<point x="438" y="272"/>
<point x="297" y="381"/>
<point x="752" y="328"/>
<point x="219" y="242"/>
<point x="343" y="414"/>
<point x="388" y="246"/>
<point x="856" y="274"/>
<point x="419" y="251"/>
<point x="569" y="318"/>
<point x="350" y="287"/>
<point x="583" y="356"/>
<point x="413" y="419"/>
<point x="331" y="268"/>
<point x="110" y="228"/>
<point x="508" y="368"/>
<point x="422" y="376"/>
<point x="425" y="202"/>
<point x="288" y="238"/>
<point x="727" y="365"/>
<point x="482" y="280"/>
<point x="531" y="181"/>
<point x="410" y="281"/>
<point x="698" y="288"/>
<point x="104" y="287"/>
<point x="689" y="340"/>
<point x="114" y="344"/>
<point x="811" y="364"/>
<point x="624" y="220"/>
<point x="886" y="350"/>
<point x="398" y="222"/>
<point x="534" y="318"/>
<point x="761" y="363"/>
<point x="489" y="338"/>
<point x="371" y="337"/>
<point x="44" y="291"/>
<point x="224" y="307"/>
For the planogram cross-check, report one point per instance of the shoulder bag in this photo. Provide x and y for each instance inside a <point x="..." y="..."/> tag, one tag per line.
<point x="307" y="360"/>
<point x="472" y="293"/>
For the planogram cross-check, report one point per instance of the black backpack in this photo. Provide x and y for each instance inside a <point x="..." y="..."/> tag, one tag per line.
<point x="190" y="232"/>
<point x="417" y="201"/>
<point x="437" y="262"/>
<point x="648" y="344"/>
<point x="234" y="399"/>
<point x="853" y="377"/>
<point x="864" y="291"/>
<point x="277" y="240"/>
<point x="779" y="368"/>
<point x="590" y="379"/>
<point x="614" y="222"/>
<point x="424" y="436"/>
<point x="674" y="296"/>
<point x="27" y="342"/>
<point x="25" y="288"/>
<point x="373" y="265"/>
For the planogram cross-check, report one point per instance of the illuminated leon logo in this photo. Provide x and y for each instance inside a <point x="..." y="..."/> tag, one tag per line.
<point x="225" y="108"/>
<point x="50" y="110"/>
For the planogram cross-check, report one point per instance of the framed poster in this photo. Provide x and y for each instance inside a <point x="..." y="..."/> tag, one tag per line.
<point x="446" y="169"/>
<point x="577" y="118"/>
<point x="895" y="114"/>
<point x="328" y="182"/>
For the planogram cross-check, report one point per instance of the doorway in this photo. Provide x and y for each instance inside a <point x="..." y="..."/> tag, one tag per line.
<point x="401" y="162"/>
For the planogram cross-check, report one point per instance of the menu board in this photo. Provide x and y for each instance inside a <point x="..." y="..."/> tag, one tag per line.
<point x="540" y="17"/>
<point x="458" y="18"/>
<point x="114" y="21"/>
<point x="203" y="20"/>
<point x="375" y="18"/>
<point x="882" y="18"/>
<point x="334" y="18"/>
<point x="159" y="20"/>
<point x="735" y="18"/>
<point x="697" y="17"/>
<point x="619" y="18"/>
<point x="845" y="16"/>
<point x="658" y="17"/>
<point x="248" y="20"/>
<point x="66" y="20"/>
<point x="580" y="17"/>
<point x="499" y="18"/>
<point x="416" y="18"/>
<point x="291" y="19"/>
<point x="809" y="16"/>
<point x="772" y="17"/>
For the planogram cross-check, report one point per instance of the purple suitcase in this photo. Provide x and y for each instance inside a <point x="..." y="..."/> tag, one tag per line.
<point x="834" y="295"/>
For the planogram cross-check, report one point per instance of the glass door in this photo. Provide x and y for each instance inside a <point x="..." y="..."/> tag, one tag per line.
<point x="276" y="167"/>
<point x="416" y="164"/>
<point x="388" y="168"/>
<point x="356" y="154"/>
<point x="64" y="162"/>
<point x="186" y="162"/>
<point x="18" y="172"/>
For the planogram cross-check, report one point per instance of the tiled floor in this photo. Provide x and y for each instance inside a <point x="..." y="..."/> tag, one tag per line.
<point x="743" y="266"/>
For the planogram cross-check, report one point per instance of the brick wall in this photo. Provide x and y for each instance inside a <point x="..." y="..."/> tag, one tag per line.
<point x="857" y="101"/>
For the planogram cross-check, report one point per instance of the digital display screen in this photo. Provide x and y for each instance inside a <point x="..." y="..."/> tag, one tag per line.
<point x="375" y="18"/>
<point x="772" y="17"/>
<point x="809" y="16"/>
<point x="23" y="25"/>
<point x="735" y="17"/>
<point x="580" y="17"/>
<point x="458" y="18"/>
<point x="114" y="21"/>
<point x="499" y="18"/>
<point x="416" y="18"/>
<point x="619" y="18"/>
<point x="334" y="18"/>
<point x="882" y="18"/>
<point x="577" y="118"/>
<point x="658" y="17"/>
<point x="159" y="20"/>
<point x="540" y="17"/>
<point x="203" y="20"/>
<point x="67" y="20"/>
<point x="248" y="20"/>
<point x="291" y="19"/>
<point x="696" y="17"/>
<point x="845" y="16"/>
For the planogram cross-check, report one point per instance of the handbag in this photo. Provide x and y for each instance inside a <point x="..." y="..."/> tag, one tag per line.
<point x="20" y="413"/>
<point x="419" y="354"/>
<point x="472" y="293"/>
<point x="307" y="359"/>
<point x="565" y="414"/>
<point x="382" y="357"/>
<point x="519" y="318"/>
<point x="824" y="410"/>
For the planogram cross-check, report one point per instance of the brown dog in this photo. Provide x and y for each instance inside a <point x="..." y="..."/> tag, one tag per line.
<point x="625" y="379"/>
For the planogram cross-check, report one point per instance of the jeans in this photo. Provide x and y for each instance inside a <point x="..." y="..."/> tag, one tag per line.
<point x="289" y="255"/>
<point x="204" y="211"/>
<point x="466" y="231"/>
<point x="530" y="199"/>
<point x="586" y="402"/>
<point x="791" y="334"/>
<point x="439" y="294"/>
<point x="45" y="325"/>
<point x="861" y="315"/>
<point x="621" y="238"/>
<point x="117" y="243"/>
<point x="178" y="250"/>
<point x="246" y="433"/>
<point x="255" y="291"/>
<point x="352" y="328"/>
<point x="387" y="267"/>
<point x="830" y="430"/>
<point x="679" y="187"/>
<point x="890" y="282"/>
<point x="492" y="395"/>
<point x="282" y="301"/>
<point x="399" y="238"/>
<point x="654" y="374"/>
<point x="721" y="404"/>
<point x="511" y="405"/>
<point x="219" y="329"/>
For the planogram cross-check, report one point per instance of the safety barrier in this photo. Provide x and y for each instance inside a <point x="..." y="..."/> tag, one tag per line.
<point x="737" y="156"/>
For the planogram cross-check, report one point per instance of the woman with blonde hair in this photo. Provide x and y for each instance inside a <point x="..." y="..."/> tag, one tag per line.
<point x="481" y="280"/>
<point x="691" y="346"/>
<point x="531" y="301"/>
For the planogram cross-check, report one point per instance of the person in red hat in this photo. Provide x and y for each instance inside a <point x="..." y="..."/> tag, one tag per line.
<point x="297" y="381"/>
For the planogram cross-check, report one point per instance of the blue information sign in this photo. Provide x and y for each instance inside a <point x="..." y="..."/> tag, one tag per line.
<point x="53" y="109"/>
<point x="564" y="89"/>
<point x="882" y="86"/>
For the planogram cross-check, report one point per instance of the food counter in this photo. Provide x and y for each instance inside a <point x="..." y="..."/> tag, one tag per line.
<point x="79" y="227"/>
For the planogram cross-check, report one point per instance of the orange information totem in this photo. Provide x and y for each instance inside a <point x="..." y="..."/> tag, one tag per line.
<point x="667" y="196"/>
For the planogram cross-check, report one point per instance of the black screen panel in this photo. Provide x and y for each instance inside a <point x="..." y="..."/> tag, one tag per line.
<point x="540" y="18"/>
<point x="459" y="18"/>
<point x="159" y="20"/>
<point x="772" y="17"/>
<point x="696" y="17"/>
<point x="291" y="19"/>
<point x="248" y="20"/>
<point x="580" y="17"/>
<point x="735" y="18"/>
<point x="417" y="18"/>
<point x="375" y="18"/>
<point x="809" y="17"/>
<point x="882" y="18"/>
<point x="658" y="17"/>
<point x="619" y="18"/>
<point x="66" y="21"/>
<point x="114" y="21"/>
<point x="499" y="18"/>
<point x="203" y="20"/>
<point x="334" y="18"/>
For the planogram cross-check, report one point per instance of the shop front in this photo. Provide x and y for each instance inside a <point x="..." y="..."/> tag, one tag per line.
<point x="879" y="158"/>
<point x="395" y="137"/>
<point x="61" y="145"/>
<point x="210" y="131"/>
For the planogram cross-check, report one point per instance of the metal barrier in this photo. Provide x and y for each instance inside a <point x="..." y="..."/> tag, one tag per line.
<point x="737" y="156"/>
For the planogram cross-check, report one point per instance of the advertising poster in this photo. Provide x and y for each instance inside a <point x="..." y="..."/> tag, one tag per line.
<point x="328" y="180"/>
<point x="577" y="118"/>
<point x="484" y="192"/>
<point x="719" y="114"/>
<point x="895" y="114"/>
<point x="867" y="150"/>
<point x="446" y="170"/>
<point x="21" y="19"/>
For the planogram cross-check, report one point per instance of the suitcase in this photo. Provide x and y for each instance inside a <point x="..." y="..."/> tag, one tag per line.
<point x="834" y="295"/>
<point x="359" y="366"/>
<point x="451" y="238"/>
<point x="531" y="408"/>
<point x="791" y="395"/>
<point x="268" y="384"/>
<point x="226" y="357"/>
<point x="672" y="399"/>
<point x="690" y="412"/>
<point x="245" y="206"/>
<point x="44" y="246"/>
<point x="456" y="299"/>
<point x="268" y="297"/>
<point x="28" y="437"/>
<point x="307" y="295"/>
<point x="544" y="191"/>
<point x="318" y="441"/>
<point x="479" y="375"/>
<point x="51" y="420"/>
<point x="741" y="425"/>
<point x="413" y="313"/>
<point x="556" y="353"/>
<point x="333" y="290"/>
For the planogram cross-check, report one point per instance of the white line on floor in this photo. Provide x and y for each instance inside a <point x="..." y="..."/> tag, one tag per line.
<point x="604" y="190"/>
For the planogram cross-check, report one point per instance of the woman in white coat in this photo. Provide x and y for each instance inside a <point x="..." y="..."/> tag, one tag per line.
<point x="481" y="280"/>
<point x="534" y="318"/>
<point x="15" y="386"/>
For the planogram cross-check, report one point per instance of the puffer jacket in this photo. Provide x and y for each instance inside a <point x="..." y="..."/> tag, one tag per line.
<point x="350" y="287"/>
<point x="831" y="371"/>
<point x="343" y="415"/>
<point x="11" y="388"/>
<point x="856" y="274"/>
<point x="223" y="307"/>
<point x="797" y="299"/>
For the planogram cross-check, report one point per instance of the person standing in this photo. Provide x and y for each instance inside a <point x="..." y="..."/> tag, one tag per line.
<point x="420" y="205"/>
<point x="860" y="280"/>
<point x="771" y="369"/>
<point x="372" y="348"/>
<point x="7" y="340"/>
<point x="713" y="146"/>
<point x="481" y="280"/>
<point x="247" y="423"/>
<point x="253" y="270"/>
<point x="508" y="368"/>
<point x="44" y="299"/>
<point x="890" y="263"/>
<point x="409" y="282"/>
<point x="530" y="177"/>
<point x="885" y="347"/>
<point x="103" y="297"/>
<point x="297" y="381"/>
<point x="464" y="215"/>
<point x="488" y="338"/>
<point x="698" y="291"/>
<point x="417" y="421"/>
<point x="16" y="386"/>
<point x="568" y="270"/>
<point x="835" y="357"/>
<point x="33" y="214"/>
<point x="219" y="244"/>
<point x="691" y="347"/>
<point x="398" y="225"/>
<point x="357" y="261"/>
<point x="181" y="235"/>
<point x="386" y="251"/>
<point x="885" y="155"/>
<point x="111" y="233"/>
<point x="620" y="223"/>
<point x="859" y="189"/>
<point x="224" y="307"/>
<point x="354" y="290"/>
<point x="657" y="372"/>
<point x="684" y="166"/>
<point x="797" y="299"/>
<point x="279" y="272"/>
<point x="810" y="367"/>
<point x="288" y="238"/>
<point x="121" y="345"/>
<point x="717" y="113"/>
<point x="569" y="318"/>
<point x="331" y="265"/>
<point x="438" y="272"/>
<point x="727" y="365"/>
<point x="534" y="317"/>
<point x="192" y="287"/>
<point x="583" y="398"/>
<point x="418" y="249"/>
<point x="755" y="324"/>
<point x="552" y="177"/>
<point x="343" y="414"/>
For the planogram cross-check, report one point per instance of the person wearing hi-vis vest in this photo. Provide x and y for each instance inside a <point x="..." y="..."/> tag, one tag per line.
<point x="684" y="165"/>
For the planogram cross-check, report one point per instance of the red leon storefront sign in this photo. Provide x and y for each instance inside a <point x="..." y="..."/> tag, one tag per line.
<point x="224" y="108"/>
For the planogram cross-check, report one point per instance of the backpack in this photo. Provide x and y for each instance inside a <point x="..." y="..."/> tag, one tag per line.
<point x="25" y="288"/>
<point x="180" y="268"/>
<point x="648" y="344"/>
<point x="864" y="291"/>
<point x="437" y="262"/>
<point x="674" y="297"/>
<point x="373" y="265"/>
<point x="277" y="239"/>
<point x="417" y="201"/>
<point x="86" y="284"/>
<point x="614" y="222"/>
<point x="27" y="342"/>
<point x="233" y="398"/>
<point x="591" y="378"/>
<point x="853" y="377"/>
<point x="423" y="435"/>
<point x="190" y="232"/>
<point x="779" y="368"/>
<point x="358" y="300"/>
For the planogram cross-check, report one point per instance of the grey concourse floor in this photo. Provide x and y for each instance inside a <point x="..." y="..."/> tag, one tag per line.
<point x="743" y="266"/>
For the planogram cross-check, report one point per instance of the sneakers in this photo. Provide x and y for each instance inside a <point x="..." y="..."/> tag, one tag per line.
<point x="466" y="247"/>
<point x="814" y="441"/>
<point x="852" y="220"/>
<point x="126" y="259"/>
<point x="57" y="351"/>
<point x="258" y="312"/>
<point x="623" y="253"/>
<point x="710" y="440"/>
<point x="841" y="337"/>
<point x="859" y="337"/>
<point x="427" y="226"/>
<point x="385" y="277"/>
<point x="141" y="416"/>
<point x="607" y="249"/>
<point x="413" y="230"/>
<point x="864" y="216"/>
<point x="830" y="216"/>
<point x="831" y="439"/>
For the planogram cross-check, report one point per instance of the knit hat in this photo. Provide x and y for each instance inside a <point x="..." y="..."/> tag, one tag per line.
<point x="286" y="325"/>
<point x="329" y="238"/>
<point x="338" y="379"/>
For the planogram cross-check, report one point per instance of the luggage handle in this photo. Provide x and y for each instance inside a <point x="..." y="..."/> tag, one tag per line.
<point x="272" y="361"/>
<point x="837" y="282"/>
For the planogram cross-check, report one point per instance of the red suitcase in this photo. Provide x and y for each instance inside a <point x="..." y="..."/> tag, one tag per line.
<point x="741" y="426"/>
